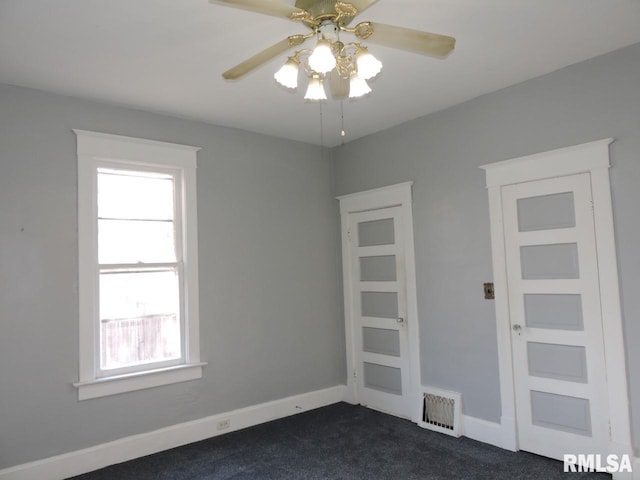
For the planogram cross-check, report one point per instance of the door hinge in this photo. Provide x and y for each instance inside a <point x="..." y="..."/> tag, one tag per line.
<point x="593" y="208"/>
<point x="349" y="234"/>
<point x="355" y="375"/>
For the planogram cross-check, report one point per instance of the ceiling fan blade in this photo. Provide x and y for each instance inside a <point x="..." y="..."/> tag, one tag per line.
<point x="275" y="8"/>
<point x="338" y="86"/>
<point x="263" y="57"/>
<point x="411" y="40"/>
<point x="361" y="5"/>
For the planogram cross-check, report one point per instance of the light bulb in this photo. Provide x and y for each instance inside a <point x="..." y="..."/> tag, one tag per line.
<point x="368" y="65"/>
<point x="315" y="90"/>
<point x="358" y="87"/>
<point x="287" y="76"/>
<point x="322" y="59"/>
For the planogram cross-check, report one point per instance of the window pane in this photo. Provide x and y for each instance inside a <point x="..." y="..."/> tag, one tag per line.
<point x="139" y="318"/>
<point x="133" y="241"/>
<point x="135" y="195"/>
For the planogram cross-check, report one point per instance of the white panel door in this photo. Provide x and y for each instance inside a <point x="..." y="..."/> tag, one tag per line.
<point x="379" y="306"/>
<point x="556" y="320"/>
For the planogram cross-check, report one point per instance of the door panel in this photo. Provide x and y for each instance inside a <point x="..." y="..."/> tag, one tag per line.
<point x="379" y="308"/>
<point x="554" y="303"/>
<point x="376" y="232"/>
<point x="562" y="413"/>
<point x="559" y="260"/>
<point x="546" y="212"/>
<point x="556" y="311"/>
<point x="383" y="378"/>
<point x="381" y="340"/>
<point x="379" y="304"/>
<point x="378" y="269"/>
<point x="562" y="362"/>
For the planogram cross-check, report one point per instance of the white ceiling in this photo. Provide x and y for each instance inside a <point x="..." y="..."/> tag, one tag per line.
<point x="168" y="55"/>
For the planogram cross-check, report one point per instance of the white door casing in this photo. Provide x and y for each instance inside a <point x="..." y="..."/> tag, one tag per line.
<point x="593" y="160"/>
<point x="381" y="322"/>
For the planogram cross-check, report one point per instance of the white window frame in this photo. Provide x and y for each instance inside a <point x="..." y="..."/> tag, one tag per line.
<point x="96" y="150"/>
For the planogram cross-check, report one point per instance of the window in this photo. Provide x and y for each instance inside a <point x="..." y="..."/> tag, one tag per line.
<point x="138" y="279"/>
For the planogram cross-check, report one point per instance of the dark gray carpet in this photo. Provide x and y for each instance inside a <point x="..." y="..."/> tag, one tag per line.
<point x="340" y="441"/>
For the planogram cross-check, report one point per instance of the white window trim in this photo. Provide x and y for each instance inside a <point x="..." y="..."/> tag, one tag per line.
<point x="92" y="149"/>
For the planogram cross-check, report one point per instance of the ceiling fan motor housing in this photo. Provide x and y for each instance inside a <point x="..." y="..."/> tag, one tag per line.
<point x="319" y="9"/>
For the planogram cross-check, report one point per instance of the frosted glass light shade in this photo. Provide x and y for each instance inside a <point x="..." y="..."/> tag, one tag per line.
<point x="287" y="76"/>
<point x="322" y="59"/>
<point x="368" y="65"/>
<point x="358" y="87"/>
<point x="315" y="90"/>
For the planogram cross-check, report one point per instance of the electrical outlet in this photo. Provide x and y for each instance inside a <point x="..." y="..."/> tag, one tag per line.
<point x="223" y="424"/>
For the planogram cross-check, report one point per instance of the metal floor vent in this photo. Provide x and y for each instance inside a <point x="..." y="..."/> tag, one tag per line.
<point x="441" y="411"/>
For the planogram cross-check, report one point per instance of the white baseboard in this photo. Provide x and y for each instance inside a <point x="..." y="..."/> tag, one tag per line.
<point x="501" y="436"/>
<point x="482" y="430"/>
<point x="128" y="448"/>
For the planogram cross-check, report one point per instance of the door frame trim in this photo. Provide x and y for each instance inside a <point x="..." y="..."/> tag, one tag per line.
<point x="398" y="195"/>
<point x="592" y="158"/>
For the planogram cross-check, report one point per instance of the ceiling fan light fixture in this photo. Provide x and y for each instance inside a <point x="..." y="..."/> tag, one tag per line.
<point x="315" y="89"/>
<point x="368" y="65"/>
<point x="287" y="76"/>
<point x="322" y="59"/>
<point x="358" y="87"/>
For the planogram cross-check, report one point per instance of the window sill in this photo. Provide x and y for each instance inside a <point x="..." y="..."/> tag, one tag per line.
<point x="102" y="387"/>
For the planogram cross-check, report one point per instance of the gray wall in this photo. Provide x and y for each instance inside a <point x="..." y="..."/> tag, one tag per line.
<point x="269" y="304"/>
<point x="589" y="101"/>
<point x="269" y="281"/>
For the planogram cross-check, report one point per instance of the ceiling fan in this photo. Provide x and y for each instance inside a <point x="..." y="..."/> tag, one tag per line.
<point x="347" y="66"/>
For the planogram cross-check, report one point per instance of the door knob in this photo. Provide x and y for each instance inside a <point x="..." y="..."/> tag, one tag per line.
<point x="516" y="328"/>
<point x="400" y="320"/>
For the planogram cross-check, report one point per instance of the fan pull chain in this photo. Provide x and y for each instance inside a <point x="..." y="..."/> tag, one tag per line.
<point x="321" y="127"/>
<point x="342" y="132"/>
